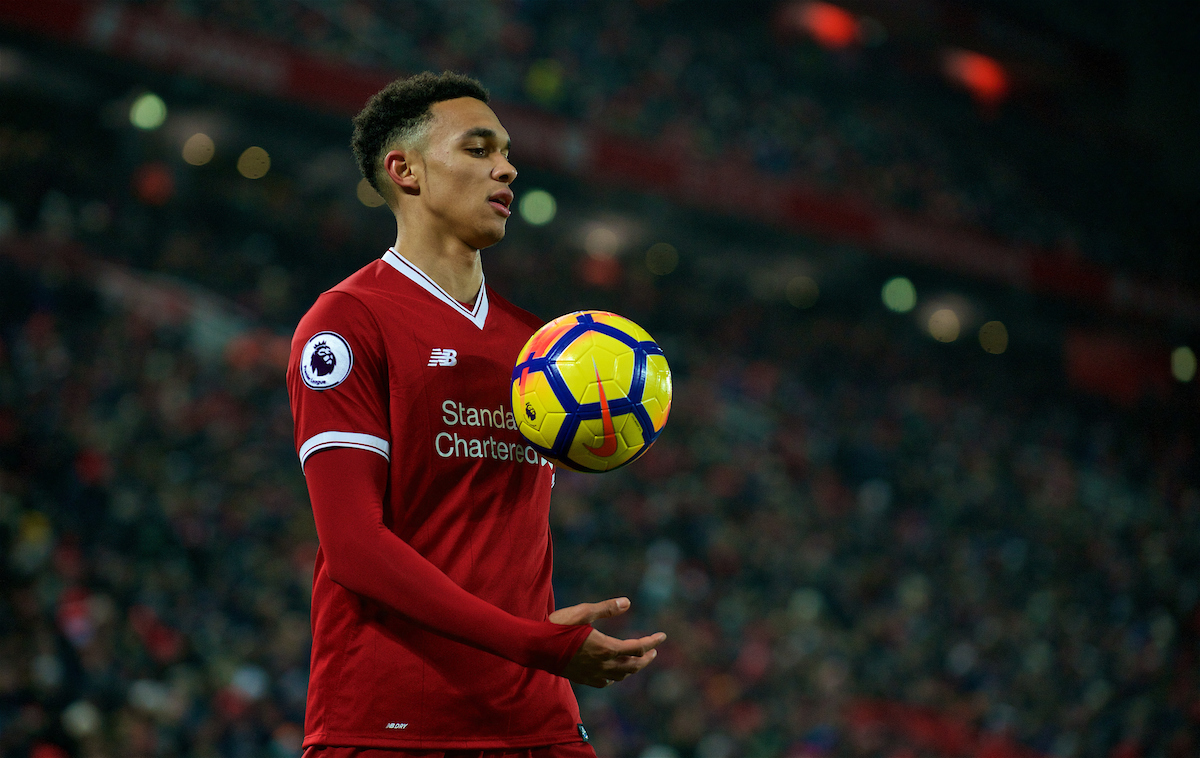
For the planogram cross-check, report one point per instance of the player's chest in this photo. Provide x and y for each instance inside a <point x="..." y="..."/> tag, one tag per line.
<point x="459" y="373"/>
<point x="451" y="397"/>
<point x="454" y="361"/>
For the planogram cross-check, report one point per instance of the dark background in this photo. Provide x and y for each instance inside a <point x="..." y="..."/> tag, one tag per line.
<point x="861" y="540"/>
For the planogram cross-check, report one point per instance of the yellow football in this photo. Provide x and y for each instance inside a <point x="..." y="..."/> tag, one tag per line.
<point x="591" y="390"/>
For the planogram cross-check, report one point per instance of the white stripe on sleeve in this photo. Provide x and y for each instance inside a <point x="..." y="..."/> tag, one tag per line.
<point x="345" y="439"/>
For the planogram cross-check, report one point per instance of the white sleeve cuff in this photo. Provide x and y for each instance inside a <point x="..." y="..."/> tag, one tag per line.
<point x="345" y="439"/>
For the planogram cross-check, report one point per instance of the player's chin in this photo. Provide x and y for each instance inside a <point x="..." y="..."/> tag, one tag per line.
<point x="487" y="236"/>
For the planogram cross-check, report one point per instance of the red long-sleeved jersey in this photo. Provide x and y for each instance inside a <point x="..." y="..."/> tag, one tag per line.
<point x="432" y="585"/>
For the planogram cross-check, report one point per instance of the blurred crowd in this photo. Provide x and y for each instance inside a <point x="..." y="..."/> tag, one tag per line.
<point x="867" y="122"/>
<point x="158" y="549"/>
<point x="847" y="531"/>
<point x="860" y="542"/>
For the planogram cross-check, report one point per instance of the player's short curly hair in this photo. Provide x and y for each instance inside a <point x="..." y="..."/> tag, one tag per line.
<point x="399" y="113"/>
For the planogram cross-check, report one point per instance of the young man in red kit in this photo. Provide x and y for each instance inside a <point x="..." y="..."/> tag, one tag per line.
<point x="434" y="627"/>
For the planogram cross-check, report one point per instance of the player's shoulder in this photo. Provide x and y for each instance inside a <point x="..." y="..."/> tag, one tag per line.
<point x="368" y="284"/>
<point x="337" y="332"/>
<point x="359" y="293"/>
<point x="349" y="306"/>
<point x="513" y="313"/>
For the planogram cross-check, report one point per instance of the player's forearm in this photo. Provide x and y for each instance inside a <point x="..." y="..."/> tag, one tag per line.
<point x="346" y="487"/>
<point x="392" y="573"/>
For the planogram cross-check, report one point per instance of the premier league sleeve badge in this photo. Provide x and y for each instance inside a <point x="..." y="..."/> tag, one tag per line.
<point x="326" y="361"/>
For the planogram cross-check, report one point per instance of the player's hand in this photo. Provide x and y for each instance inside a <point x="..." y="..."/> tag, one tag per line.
<point x="602" y="660"/>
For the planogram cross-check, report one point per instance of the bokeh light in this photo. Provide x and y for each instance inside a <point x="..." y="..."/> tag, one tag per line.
<point x="81" y="719"/>
<point x="899" y="295"/>
<point x="601" y="242"/>
<point x="1183" y="363"/>
<point x="802" y="291"/>
<point x="537" y="207"/>
<point x="980" y="75"/>
<point x="831" y="26"/>
<point x="254" y="163"/>
<point x="944" y="325"/>
<point x="662" y="258"/>
<point x="544" y="81"/>
<point x="367" y="195"/>
<point x="199" y="149"/>
<point x="154" y="184"/>
<point x="993" y="337"/>
<point x="148" y="112"/>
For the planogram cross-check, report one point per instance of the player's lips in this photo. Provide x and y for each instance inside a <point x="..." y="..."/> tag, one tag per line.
<point x="501" y="201"/>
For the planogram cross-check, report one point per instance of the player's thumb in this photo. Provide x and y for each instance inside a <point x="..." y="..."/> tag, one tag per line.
<point x="612" y="607"/>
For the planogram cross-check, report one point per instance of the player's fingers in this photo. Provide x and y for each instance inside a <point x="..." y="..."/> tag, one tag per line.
<point x="586" y="613"/>
<point x="640" y="646"/>
<point x="627" y="665"/>
<point x="609" y="608"/>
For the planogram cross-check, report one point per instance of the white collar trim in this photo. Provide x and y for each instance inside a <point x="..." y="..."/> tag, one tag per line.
<point x="477" y="315"/>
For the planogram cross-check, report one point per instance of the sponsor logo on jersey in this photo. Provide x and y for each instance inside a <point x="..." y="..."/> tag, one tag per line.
<point x="454" y="445"/>
<point x="396" y="725"/>
<point x="325" y="361"/>
<point x="443" y="356"/>
<point x="457" y="414"/>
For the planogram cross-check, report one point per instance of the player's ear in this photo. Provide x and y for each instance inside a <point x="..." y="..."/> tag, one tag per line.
<point x="399" y="167"/>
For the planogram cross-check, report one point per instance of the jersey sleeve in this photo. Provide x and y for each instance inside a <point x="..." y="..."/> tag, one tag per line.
<point x="337" y="379"/>
<point x="364" y="556"/>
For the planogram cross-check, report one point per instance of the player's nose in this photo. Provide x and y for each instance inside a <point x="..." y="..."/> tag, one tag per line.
<point x="504" y="171"/>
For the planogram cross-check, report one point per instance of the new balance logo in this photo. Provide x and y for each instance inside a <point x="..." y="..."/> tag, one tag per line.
<point x="396" y="725"/>
<point x="443" y="356"/>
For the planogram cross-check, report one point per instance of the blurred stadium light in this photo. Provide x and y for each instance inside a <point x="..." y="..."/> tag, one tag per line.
<point x="993" y="337"/>
<point x="154" y="183"/>
<point x="537" y="207"/>
<point x="199" y="149"/>
<point x="601" y="241"/>
<point x="982" y="76"/>
<point x="254" y="162"/>
<point x="148" y="112"/>
<point x="830" y="25"/>
<point x="899" y="294"/>
<point x="944" y="325"/>
<point x="1183" y="363"/>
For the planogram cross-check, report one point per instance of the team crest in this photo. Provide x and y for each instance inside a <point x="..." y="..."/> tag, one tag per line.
<point x="325" y="361"/>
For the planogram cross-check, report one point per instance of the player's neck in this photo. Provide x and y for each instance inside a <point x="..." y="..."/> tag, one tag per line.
<point x="455" y="267"/>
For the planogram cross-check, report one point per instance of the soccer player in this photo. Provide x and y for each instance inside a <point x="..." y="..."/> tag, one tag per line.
<point x="434" y="626"/>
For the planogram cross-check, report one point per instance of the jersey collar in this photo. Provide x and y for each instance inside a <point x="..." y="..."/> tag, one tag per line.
<point x="477" y="315"/>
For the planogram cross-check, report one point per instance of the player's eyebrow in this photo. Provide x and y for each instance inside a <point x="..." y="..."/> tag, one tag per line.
<point x="488" y="134"/>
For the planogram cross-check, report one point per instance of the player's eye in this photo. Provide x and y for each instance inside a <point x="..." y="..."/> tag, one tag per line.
<point x="478" y="152"/>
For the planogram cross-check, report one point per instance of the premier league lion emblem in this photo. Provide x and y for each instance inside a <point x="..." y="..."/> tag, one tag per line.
<point x="323" y="360"/>
<point x="326" y="360"/>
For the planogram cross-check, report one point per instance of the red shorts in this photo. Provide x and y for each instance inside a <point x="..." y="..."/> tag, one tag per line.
<point x="565" y="750"/>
